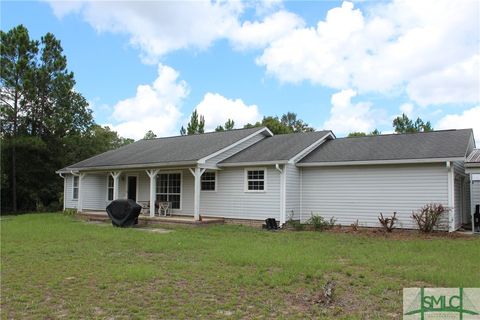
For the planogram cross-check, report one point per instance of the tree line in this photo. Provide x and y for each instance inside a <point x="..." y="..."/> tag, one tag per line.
<point x="45" y="123"/>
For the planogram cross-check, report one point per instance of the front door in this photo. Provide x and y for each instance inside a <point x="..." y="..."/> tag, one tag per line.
<point x="132" y="188"/>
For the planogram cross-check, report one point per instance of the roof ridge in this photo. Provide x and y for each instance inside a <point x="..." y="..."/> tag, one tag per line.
<point x="403" y="134"/>
<point x="200" y="134"/>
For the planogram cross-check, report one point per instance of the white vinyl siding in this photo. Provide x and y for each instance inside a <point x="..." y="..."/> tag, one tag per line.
<point x="94" y="188"/>
<point x="230" y="200"/>
<point x="292" y="196"/>
<point x="362" y="192"/>
<point x="70" y="203"/>
<point x="241" y="146"/>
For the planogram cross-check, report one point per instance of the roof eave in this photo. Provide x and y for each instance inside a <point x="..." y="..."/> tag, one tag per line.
<point x="252" y="163"/>
<point x="129" y="166"/>
<point x="373" y="162"/>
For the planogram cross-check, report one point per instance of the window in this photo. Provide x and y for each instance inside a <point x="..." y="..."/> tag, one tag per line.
<point x="75" y="187"/>
<point x="255" y="180"/>
<point x="169" y="188"/>
<point x="109" y="188"/>
<point x="208" y="181"/>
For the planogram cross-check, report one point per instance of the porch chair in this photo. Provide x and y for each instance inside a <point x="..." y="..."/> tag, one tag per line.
<point x="164" y="208"/>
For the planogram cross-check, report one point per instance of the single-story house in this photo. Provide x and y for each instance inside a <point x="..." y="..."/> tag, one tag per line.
<point x="251" y="174"/>
<point x="472" y="168"/>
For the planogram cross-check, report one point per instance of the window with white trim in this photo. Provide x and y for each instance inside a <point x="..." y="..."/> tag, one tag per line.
<point x="75" y="187"/>
<point x="208" y="181"/>
<point x="110" y="184"/>
<point x="169" y="188"/>
<point x="255" y="180"/>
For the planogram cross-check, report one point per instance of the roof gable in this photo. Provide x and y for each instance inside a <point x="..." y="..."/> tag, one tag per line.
<point x="282" y="147"/>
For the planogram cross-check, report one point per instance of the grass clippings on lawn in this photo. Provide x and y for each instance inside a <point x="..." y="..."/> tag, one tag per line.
<point x="54" y="266"/>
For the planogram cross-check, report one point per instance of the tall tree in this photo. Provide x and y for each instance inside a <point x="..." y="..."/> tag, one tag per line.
<point x="196" y="124"/>
<point x="287" y="124"/>
<point x="297" y="125"/>
<point x="45" y="123"/>
<point x="149" y="135"/>
<point x="229" y="125"/>
<point x="403" y="124"/>
<point x="375" y="132"/>
<point x="17" y="65"/>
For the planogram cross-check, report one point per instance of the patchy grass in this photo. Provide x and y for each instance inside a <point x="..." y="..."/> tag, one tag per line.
<point x="54" y="266"/>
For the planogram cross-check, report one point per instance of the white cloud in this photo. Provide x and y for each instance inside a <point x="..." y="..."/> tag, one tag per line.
<point x="217" y="110"/>
<point x="390" y="46"/>
<point x="155" y="107"/>
<point x="259" y="34"/>
<point x="407" y="108"/>
<point x="346" y="117"/>
<point x="468" y="119"/>
<point x="459" y="83"/>
<point x="158" y="27"/>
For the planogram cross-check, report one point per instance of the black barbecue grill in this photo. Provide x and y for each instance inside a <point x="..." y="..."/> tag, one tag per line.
<point x="123" y="212"/>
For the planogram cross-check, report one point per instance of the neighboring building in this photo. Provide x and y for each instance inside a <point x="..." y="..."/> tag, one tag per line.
<point x="252" y="174"/>
<point x="472" y="168"/>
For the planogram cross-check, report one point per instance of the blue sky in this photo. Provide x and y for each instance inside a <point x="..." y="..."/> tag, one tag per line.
<point x="344" y="66"/>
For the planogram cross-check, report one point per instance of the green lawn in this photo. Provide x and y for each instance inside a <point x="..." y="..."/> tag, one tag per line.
<point x="54" y="266"/>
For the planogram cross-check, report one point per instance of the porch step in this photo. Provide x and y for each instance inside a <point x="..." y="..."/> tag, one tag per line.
<point x="145" y="220"/>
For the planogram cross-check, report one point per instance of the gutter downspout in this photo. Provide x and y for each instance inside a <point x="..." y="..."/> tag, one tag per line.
<point x="282" y="192"/>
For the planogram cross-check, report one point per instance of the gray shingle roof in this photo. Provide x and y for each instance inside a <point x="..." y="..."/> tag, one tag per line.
<point x="278" y="147"/>
<point x="424" y="145"/>
<point x="473" y="160"/>
<point x="166" y="150"/>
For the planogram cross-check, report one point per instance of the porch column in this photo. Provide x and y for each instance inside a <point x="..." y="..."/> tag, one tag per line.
<point x="153" y="189"/>
<point x="116" y="178"/>
<point x="197" y="174"/>
<point x="80" y="192"/>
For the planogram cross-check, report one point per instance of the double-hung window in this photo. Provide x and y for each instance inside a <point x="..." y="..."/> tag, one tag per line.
<point x="169" y="188"/>
<point x="109" y="188"/>
<point x="75" y="187"/>
<point x="208" y="181"/>
<point x="255" y="180"/>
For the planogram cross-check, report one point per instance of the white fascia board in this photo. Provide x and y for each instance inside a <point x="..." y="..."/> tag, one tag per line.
<point x="249" y="164"/>
<point x="302" y="154"/>
<point x="370" y="162"/>
<point x="133" y="166"/>
<point x="216" y="153"/>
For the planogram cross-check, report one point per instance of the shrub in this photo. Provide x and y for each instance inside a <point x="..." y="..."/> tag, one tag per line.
<point x="319" y="223"/>
<point x="388" y="223"/>
<point x="354" y="226"/>
<point x="429" y="216"/>
<point x="69" y="212"/>
<point x="294" y="224"/>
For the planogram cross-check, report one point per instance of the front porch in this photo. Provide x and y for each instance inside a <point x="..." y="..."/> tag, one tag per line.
<point x="146" y="219"/>
<point x="178" y="187"/>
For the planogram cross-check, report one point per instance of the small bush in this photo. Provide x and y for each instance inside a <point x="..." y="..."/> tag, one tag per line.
<point x="429" y="216"/>
<point x="319" y="223"/>
<point x="388" y="223"/>
<point x="69" y="212"/>
<point x="354" y="226"/>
